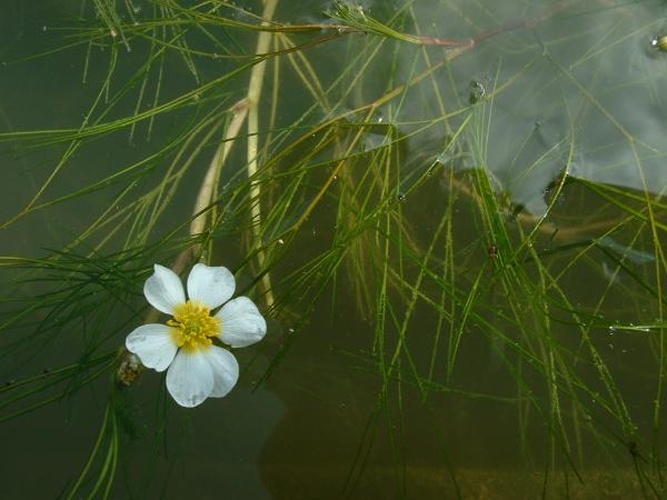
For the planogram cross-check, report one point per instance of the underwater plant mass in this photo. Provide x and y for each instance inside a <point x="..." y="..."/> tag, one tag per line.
<point x="443" y="228"/>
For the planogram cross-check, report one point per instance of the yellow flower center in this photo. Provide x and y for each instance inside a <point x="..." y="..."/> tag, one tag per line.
<point x="193" y="326"/>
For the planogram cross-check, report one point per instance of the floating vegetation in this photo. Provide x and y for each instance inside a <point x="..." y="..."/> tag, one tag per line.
<point x="443" y="220"/>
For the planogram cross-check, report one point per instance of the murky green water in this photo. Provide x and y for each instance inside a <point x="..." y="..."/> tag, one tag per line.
<point x="449" y="319"/>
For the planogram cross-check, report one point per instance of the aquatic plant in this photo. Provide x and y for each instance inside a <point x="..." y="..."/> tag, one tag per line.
<point x="450" y="214"/>
<point x="197" y="368"/>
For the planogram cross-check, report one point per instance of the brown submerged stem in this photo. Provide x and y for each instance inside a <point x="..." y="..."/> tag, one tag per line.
<point x="245" y="109"/>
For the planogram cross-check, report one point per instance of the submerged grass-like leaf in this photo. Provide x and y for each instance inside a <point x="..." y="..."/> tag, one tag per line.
<point x="377" y="167"/>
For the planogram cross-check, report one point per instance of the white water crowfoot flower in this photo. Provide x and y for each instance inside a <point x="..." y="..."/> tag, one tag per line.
<point x="197" y="368"/>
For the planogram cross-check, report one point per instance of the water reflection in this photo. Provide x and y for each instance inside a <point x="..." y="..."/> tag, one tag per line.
<point x="578" y="90"/>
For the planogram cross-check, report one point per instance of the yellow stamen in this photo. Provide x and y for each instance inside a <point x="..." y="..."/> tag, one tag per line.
<point x="193" y="326"/>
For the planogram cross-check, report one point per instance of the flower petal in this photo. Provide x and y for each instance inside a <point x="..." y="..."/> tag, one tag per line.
<point x="242" y="323"/>
<point x="190" y="378"/>
<point x="211" y="286"/>
<point x="164" y="290"/>
<point x="153" y="344"/>
<point x="225" y="371"/>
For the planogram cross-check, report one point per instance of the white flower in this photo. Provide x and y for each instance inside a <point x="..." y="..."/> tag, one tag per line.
<point x="198" y="369"/>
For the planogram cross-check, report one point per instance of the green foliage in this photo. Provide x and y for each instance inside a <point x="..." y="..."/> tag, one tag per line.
<point x="339" y="161"/>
